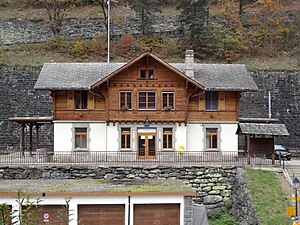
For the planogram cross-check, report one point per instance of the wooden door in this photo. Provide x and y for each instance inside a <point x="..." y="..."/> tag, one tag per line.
<point x="146" y="145"/>
<point x="101" y="214"/>
<point x="157" y="214"/>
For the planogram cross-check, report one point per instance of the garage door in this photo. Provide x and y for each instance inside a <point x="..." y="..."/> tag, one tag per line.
<point x="157" y="214"/>
<point x="101" y="214"/>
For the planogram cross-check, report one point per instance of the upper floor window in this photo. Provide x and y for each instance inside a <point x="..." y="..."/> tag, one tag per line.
<point x="147" y="100"/>
<point x="168" y="100"/>
<point x="212" y="138"/>
<point x="167" y="137"/>
<point x="80" y="137"/>
<point x="125" y="138"/>
<point x="81" y="99"/>
<point x="211" y="100"/>
<point x="125" y="100"/>
<point x="147" y="74"/>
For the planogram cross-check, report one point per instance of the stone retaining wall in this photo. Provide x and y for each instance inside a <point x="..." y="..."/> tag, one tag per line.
<point x="214" y="185"/>
<point x="220" y="189"/>
<point x="18" y="98"/>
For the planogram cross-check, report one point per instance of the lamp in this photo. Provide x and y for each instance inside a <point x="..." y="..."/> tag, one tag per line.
<point x="146" y="122"/>
<point x="296" y="184"/>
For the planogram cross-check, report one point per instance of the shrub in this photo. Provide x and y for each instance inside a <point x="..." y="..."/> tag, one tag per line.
<point x="221" y="218"/>
<point x="127" y="45"/>
<point x="98" y="46"/>
<point x="60" y="44"/>
<point x="79" y="49"/>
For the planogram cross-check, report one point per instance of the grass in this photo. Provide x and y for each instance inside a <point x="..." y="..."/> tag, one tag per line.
<point x="268" y="198"/>
<point x="221" y="219"/>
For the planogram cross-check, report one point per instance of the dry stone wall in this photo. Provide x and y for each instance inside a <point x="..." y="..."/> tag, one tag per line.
<point x="220" y="189"/>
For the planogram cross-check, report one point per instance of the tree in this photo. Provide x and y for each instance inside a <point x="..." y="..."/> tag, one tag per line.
<point x="194" y="19"/>
<point x="145" y="9"/>
<point x="56" y="12"/>
<point x="268" y="26"/>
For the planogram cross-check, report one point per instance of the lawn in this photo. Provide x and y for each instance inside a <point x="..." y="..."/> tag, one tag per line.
<point x="268" y="198"/>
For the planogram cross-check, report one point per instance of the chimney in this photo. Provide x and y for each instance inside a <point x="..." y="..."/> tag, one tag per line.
<point x="189" y="63"/>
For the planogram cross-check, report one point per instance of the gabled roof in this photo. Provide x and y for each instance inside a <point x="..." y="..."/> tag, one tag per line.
<point x="146" y="54"/>
<point x="73" y="76"/>
<point x="264" y="129"/>
<point x="84" y="76"/>
<point x="218" y="77"/>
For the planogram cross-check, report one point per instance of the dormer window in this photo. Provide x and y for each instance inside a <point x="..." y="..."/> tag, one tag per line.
<point x="81" y="99"/>
<point x="147" y="74"/>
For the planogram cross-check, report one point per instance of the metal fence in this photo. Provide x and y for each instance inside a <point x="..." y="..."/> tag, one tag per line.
<point x="44" y="157"/>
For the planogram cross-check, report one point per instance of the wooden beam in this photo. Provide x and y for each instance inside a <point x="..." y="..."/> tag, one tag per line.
<point x="22" y="139"/>
<point x="37" y="127"/>
<point x="30" y="138"/>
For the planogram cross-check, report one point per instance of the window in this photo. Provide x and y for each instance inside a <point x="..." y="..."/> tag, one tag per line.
<point x="125" y="100"/>
<point x="147" y="74"/>
<point x="125" y="137"/>
<point x="80" y="99"/>
<point x="147" y="100"/>
<point x="168" y="100"/>
<point x="212" y="138"/>
<point x="80" y="137"/>
<point x="167" y="137"/>
<point x="211" y="100"/>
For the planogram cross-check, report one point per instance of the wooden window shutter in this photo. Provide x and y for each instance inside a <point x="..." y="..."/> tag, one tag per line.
<point x="202" y="102"/>
<point x="91" y="101"/>
<point x="70" y="100"/>
<point x="221" y="103"/>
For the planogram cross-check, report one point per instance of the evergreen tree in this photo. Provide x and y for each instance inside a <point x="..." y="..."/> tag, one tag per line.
<point x="145" y="9"/>
<point x="194" y="20"/>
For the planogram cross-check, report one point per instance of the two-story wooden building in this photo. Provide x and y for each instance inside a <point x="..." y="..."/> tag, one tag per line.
<point x="146" y="105"/>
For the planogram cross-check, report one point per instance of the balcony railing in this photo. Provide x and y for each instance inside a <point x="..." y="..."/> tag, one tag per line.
<point x="133" y="158"/>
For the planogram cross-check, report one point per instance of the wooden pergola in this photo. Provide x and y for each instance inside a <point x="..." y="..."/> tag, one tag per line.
<point x="31" y="122"/>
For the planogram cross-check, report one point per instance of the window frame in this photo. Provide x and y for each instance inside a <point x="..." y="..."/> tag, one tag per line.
<point x="147" y="100"/>
<point x="209" y="134"/>
<point x="213" y="97"/>
<point x="147" y="74"/>
<point x="168" y="100"/>
<point x="81" y="134"/>
<point x="167" y="134"/>
<point x="126" y="105"/>
<point x="125" y="134"/>
<point x="83" y="95"/>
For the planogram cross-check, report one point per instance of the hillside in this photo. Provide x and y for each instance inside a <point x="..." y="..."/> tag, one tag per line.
<point x="84" y="37"/>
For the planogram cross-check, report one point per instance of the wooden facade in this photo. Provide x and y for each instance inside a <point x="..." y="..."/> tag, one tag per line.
<point x="103" y="101"/>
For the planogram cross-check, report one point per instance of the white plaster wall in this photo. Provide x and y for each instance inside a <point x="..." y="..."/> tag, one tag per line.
<point x="194" y="137"/>
<point x="62" y="136"/>
<point x="180" y="136"/>
<point x="97" y="137"/>
<point x="112" y="137"/>
<point x="229" y="138"/>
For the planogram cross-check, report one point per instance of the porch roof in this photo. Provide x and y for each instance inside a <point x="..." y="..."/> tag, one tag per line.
<point x="263" y="129"/>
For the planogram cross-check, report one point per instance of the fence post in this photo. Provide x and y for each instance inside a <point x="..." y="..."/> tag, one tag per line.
<point x="248" y="158"/>
<point x="273" y="158"/>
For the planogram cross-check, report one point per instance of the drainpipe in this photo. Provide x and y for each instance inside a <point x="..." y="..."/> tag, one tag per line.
<point x="129" y="205"/>
<point x="270" y="109"/>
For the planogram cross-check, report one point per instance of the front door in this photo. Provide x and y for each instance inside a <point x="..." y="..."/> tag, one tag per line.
<point x="146" y="145"/>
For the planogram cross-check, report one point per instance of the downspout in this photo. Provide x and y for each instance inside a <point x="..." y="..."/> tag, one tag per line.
<point x="129" y="205"/>
<point x="270" y="107"/>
